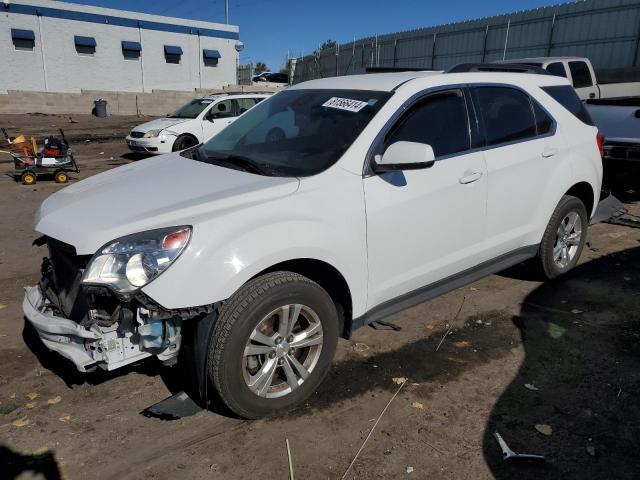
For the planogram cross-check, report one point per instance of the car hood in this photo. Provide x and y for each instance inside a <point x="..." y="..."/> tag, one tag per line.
<point x="157" y="192"/>
<point x="159" y="124"/>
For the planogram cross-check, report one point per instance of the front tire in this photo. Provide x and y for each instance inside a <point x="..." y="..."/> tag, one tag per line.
<point x="564" y="238"/>
<point x="183" y="142"/>
<point x="273" y="344"/>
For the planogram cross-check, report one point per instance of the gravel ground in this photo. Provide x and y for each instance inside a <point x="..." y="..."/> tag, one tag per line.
<point x="554" y="367"/>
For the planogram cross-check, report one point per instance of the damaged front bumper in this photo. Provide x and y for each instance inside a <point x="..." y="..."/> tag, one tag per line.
<point x="109" y="347"/>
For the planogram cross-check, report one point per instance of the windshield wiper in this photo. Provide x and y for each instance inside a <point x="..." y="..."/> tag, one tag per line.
<point x="246" y="163"/>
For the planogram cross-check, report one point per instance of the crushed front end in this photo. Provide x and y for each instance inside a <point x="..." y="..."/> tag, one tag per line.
<point x="94" y="325"/>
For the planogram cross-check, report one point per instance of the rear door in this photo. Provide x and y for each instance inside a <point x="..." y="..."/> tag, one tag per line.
<point x="426" y="225"/>
<point x="521" y="147"/>
<point x="582" y="79"/>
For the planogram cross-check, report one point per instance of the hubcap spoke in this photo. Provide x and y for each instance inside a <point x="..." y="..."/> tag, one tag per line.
<point x="303" y="372"/>
<point x="292" y="379"/>
<point x="261" y="381"/>
<point x="257" y="350"/>
<point x="574" y="239"/>
<point x="310" y="336"/>
<point x="259" y="337"/>
<point x="288" y="319"/>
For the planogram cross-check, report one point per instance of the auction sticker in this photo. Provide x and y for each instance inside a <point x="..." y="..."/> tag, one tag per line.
<point x="347" y="104"/>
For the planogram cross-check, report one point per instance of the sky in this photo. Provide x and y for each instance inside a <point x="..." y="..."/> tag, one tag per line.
<point x="271" y="29"/>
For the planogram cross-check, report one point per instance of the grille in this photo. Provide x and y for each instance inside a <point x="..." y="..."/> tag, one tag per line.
<point x="137" y="134"/>
<point x="67" y="269"/>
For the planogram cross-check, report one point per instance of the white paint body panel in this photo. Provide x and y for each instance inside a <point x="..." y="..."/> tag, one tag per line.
<point x="385" y="237"/>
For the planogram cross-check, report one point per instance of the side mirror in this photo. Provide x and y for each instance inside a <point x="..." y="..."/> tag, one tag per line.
<point x="404" y="156"/>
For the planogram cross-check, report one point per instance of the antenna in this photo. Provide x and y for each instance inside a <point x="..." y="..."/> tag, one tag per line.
<point x="226" y="11"/>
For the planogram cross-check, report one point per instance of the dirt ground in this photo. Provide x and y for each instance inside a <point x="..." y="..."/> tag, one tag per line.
<point x="524" y="358"/>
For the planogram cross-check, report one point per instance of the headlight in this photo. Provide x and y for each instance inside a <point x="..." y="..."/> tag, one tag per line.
<point x="133" y="261"/>
<point x="152" y="133"/>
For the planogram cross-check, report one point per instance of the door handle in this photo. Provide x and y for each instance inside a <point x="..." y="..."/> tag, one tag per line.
<point x="592" y="95"/>
<point x="470" y="177"/>
<point x="549" y="152"/>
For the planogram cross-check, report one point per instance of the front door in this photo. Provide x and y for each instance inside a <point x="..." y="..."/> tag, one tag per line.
<point x="218" y="117"/>
<point x="426" y="225"/>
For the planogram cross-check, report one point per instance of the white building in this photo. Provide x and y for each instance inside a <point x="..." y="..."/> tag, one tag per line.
<point x="53" y="46"/>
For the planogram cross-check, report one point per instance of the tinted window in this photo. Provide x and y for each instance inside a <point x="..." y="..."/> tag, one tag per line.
<point x="440" y="121"/>
<point x="580" y="74"/>
<point x="566" y="96"/>
<point x="557" y="69"/>
<point x="543" y="120"/>
<point x="507" y="114"/>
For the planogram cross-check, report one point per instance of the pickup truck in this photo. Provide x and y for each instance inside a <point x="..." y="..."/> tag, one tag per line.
<point x="618" y="119"/>
<point x="610" y="83"/>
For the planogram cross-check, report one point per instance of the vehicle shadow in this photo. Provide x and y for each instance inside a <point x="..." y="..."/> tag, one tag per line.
<point x="580" y="377"/>
<point x="135" y="156"/>
<point x="14" y="465"/>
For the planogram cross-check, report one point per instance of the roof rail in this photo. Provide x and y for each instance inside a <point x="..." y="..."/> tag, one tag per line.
<point x="497" y="67"/>
<point x="240" y="92"/>
<point x="396" y="69"/>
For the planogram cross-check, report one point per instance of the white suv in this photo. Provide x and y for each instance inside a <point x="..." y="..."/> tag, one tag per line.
<point x="381" y="191"/>
<point x="193" y="123"/>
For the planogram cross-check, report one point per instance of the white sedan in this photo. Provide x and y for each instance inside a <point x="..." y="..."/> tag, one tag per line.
<point x="193" y="123"/>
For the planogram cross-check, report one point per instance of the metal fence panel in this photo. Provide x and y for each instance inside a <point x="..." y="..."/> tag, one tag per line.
<point x="605" y="31"/>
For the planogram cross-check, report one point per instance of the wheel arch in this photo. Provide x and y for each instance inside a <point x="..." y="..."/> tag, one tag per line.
<point x="585" y="192"/>
<point x="181" y="136"/>
<point x="329" y="278"/>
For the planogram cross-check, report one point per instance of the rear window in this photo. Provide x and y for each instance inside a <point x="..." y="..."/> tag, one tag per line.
<point x="566" y="96"/>
<point x="580" y="74"/>
<point x="557" y="69"/>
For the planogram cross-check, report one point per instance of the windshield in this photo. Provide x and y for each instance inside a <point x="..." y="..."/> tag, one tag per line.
<point x="191" y="109"/>
<point x="296" y="132"/>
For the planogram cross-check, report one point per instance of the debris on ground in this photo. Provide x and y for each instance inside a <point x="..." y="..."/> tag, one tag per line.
<point x="417" y="405"/>
<point x="65" y="418"/>
<point x="384" y="325"/>
<point x="360" y="347"/>
<point x="510" y="456"/>
<point x="462" y="344"/>
<point x="54" y="400"/>
<point x="399" y="380"/>
<point x="544" y="429"/>
<point x="21" y="422"/>
<point x="175" y="407"/>
<point x="30" y="404"/>
<point x="591" y="450"/>
<point x="2" y="305"/>
<point x="409" y="469"/>
<point x="575" y="311"/>
<point x="32" y="396"/>
<point x="290" y="461"/>
<point x="530" y="386"/>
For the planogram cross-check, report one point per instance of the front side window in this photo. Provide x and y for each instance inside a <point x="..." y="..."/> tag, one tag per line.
<point x="557" y="69"/>
<point x="580" y="74"/>
<point x="506" y="113"/>
<point x="298" y="132"/>
<point x="223" y="109"/>
<point x="439" y="120"/>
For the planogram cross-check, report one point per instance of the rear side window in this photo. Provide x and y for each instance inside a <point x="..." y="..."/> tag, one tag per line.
<point x="557" y="69"/>
<point x="566" y="96"/>
<point x="543" y="121"/>
<point x="580" y="74"/>
<point x="440" y="120"/>
<point x="245" y="104"/>
<point x="507" y="114"/>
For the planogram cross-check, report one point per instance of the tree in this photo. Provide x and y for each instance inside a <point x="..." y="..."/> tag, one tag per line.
<point x="328" y="45"/>
<point x="261" y="67"/>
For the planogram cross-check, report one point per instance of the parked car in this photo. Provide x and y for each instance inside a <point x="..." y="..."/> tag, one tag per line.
<point x="390" y="190"/>
<point x="619" y="120"/>
<point x="581" y="74"/>
<point x="193" y="123"/>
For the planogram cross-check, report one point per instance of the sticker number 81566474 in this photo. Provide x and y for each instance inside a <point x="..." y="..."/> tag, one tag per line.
<point x="347" y="104"/>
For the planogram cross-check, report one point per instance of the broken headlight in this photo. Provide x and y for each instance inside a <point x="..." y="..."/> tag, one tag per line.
<point x="131" y="262"/>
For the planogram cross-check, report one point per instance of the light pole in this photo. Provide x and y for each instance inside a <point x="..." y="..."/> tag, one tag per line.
<point x="226" y="11"/>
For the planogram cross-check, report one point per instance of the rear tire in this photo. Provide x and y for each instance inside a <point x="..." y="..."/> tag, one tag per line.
<point x="183" y="142"/>
<point x="61" y="177"/>
<point x="286" y="364"/>
<point x="564" y="237"/>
